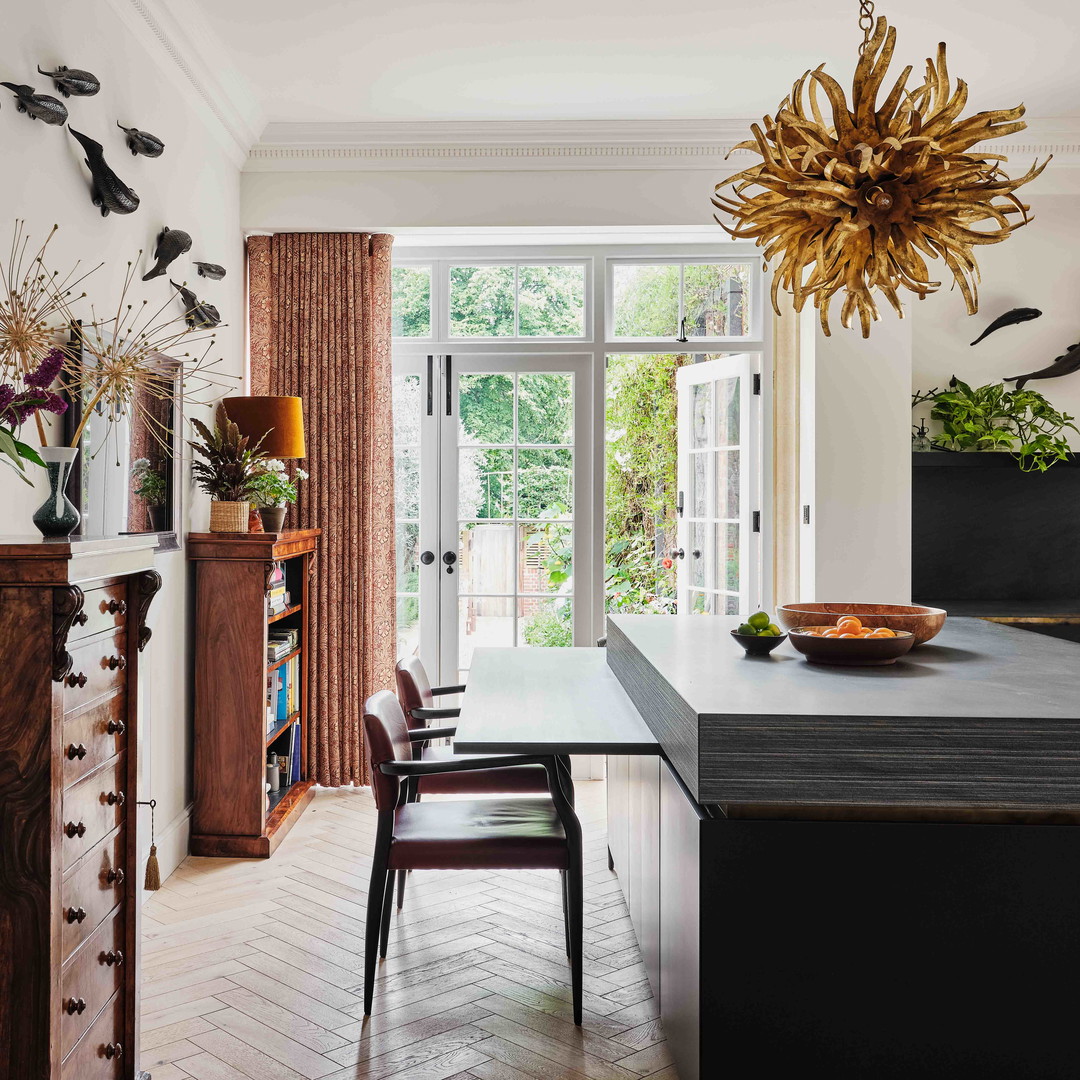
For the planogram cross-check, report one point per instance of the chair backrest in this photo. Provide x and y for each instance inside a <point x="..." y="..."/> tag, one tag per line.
<point x="414" y="689"/>
<point x="387" y="740"/>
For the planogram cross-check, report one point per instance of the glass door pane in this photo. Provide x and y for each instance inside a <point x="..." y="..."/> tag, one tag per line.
<point x="508" y="491"/>
<point x="716" y="571"/>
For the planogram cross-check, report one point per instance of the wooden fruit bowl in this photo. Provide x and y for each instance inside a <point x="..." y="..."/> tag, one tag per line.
<point x="851" y="652"/>
<point x="924" y="622"/>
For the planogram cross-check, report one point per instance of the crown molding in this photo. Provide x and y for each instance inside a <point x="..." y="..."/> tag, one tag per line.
<point x="549" y="145"/>
<point x="200" y="65"/>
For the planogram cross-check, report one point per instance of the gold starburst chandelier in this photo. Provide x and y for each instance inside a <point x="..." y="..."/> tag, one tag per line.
<point x="855" y="203"/>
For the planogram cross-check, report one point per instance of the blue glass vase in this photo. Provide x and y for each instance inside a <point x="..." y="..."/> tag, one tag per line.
<point x="57" y="515"/>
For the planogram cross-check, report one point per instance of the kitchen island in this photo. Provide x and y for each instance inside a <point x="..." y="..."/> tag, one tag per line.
<point x="870" y="872"/>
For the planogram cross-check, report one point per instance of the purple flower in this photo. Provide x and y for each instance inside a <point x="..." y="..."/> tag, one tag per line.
<point x="7" y="395"/>
<point x="47" y="370"/>
<point x="55" y="404"/>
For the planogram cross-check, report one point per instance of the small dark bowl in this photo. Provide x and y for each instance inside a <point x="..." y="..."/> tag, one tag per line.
<point x="851" y="652"/>
<point x="757" y="646"/>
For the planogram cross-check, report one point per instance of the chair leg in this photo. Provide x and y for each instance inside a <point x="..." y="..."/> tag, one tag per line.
<point x="376" y="890"/>
<point x="387" y="907"/>
<point x="401" y="887"/>
<point x="565" y="912"/>
<point x="575" y="904"/>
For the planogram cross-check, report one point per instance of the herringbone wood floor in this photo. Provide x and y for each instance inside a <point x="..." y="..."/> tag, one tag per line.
<point x="253" y="970"/>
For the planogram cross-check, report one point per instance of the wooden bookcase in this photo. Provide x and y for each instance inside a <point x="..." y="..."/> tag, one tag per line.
<point x="232" y="618"/>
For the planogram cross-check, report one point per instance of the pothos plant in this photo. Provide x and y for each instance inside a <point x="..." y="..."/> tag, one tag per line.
<point x="992" y="417"/>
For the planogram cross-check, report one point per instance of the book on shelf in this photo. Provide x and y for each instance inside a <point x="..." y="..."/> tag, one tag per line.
<point x="275" y="650"/>
<point x="280" y="603"/>
<point x="294" y="755"/>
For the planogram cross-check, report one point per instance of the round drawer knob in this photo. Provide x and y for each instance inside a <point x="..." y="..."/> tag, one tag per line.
<point x="82" y="618"/>
<point x="75" y="915"/>
<point x="115" y="877"/>
<point x="72" y="829"/>
<point x="114" y="1050"/>
<point x="111" y="958"/>
<point x="117" y="662"/>
<point x="75" y="1005"/>
<point x="74" y="752"/>
<point x="116" y="727"/>
<point x="116" y="798"/>
<point x="116" y="607"/>
<point x="74" y="680"/>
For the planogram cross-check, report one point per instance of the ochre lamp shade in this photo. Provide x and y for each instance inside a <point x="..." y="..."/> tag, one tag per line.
<point x="280" y="419"/>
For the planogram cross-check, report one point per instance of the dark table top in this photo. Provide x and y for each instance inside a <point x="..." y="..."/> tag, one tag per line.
<point x="1052" y="610"/>
<point x="548" y="701"/>
<point x="971" y="669"/>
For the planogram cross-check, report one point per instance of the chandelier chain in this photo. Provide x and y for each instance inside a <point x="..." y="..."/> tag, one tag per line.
<point x="866" y="22"/>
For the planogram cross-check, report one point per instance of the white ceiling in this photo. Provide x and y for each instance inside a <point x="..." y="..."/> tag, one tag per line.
<point x="335" y="61"/>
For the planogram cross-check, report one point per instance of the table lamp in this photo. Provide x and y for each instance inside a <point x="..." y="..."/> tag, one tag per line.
<point x="279" y="422"/>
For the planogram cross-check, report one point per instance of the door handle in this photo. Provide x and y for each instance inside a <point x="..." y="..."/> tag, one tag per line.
<point x="427" y="557"/>
<point x="449" y="557"/>
<point x="677" y="553"/>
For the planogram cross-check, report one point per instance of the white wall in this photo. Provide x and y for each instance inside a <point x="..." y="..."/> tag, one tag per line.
<point x="859" y="461"/>
<point x="1036" y="267"/>
<point x="194" y="186"/>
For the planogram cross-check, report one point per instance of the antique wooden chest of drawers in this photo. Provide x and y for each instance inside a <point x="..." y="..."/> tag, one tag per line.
<point x="72" y="625"/>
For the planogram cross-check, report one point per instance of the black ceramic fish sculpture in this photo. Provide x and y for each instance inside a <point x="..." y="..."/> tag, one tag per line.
<point x="199" y="316"/>
<point x="38" y="106"/>
<point x="171" y="244"/>
<point x="210" y="270"/>
<point x="1010" y="318"/>
<point x="108" y="192"/>
<point x="73" y="81"/>
<point x="142" y="142"/>
<point x="1065" y="364"/>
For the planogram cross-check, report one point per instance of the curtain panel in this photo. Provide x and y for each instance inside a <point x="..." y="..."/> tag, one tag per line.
<point x="319" y="328"/>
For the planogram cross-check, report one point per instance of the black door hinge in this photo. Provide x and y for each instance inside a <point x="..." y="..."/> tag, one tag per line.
<point x="757" y="521"/>
<point x="757" y="383"/>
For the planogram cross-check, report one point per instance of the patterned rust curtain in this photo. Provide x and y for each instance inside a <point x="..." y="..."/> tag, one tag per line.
<point x="320" y="329"/>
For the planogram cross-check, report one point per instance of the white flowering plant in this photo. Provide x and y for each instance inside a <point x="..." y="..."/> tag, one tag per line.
<point x="275" y="487"/>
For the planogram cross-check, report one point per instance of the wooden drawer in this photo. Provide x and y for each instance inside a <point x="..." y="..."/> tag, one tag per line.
<point x="97" y="668"/>
<point x="93" y="807"/>
<point x="93" y="736"/>
<point x="101" y="1053"/>
<point x="92" y="890"/>
<point x="90" y="978"/>
<point x="105" y="608"/>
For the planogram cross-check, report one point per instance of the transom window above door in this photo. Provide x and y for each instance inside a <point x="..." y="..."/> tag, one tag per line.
<point x="487" y="300"/>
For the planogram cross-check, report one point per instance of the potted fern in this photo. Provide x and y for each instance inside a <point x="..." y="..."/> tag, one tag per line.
<point x="229" y="472"/>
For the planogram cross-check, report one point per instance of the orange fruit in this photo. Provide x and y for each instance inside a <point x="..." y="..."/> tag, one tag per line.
<point x="849" y="623"/>
<point x="848" y="635"/>
<point x="831" y="632"/>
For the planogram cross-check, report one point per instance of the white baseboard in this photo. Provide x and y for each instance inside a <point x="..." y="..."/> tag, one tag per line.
<point x="173" y="843"/>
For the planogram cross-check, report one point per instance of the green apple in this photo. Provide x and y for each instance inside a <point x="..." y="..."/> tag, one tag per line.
<point x="747" y="629"/>
<point x="759" y="621"/>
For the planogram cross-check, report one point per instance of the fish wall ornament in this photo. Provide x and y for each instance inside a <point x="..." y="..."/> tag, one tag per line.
<point x="198" y="315"/>
<point x="1010" y="318"/>
<point x="142" y="142"/>
<point x="38" y="106"/>
<point x="73" y="82"/>
<point x="1066" y="364"/>
<point x="210" y="270"/>
<point x="108" y="191"/>
<point x="171" y="244"/>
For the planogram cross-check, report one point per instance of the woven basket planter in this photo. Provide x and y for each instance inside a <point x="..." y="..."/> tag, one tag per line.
<point x="229" y="517"/>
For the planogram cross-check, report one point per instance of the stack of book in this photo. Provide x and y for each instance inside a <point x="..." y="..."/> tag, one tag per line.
<point x="280" y="643"/>
<point x="282" y="693"/>
<point x="278" y="595"/>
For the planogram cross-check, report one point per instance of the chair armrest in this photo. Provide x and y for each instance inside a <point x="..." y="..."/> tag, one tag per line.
<point x="435" y="714"/>
<point x="424" y="768"/>
<point x="437" y="690"/>
<point x="423" y="734"/>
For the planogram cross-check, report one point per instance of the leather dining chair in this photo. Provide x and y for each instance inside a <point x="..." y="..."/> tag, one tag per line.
<point x="417" y="696"/>
<point x="466" y="834"/>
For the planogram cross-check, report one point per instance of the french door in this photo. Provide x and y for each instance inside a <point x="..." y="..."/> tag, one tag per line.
<point x="719" y="522"/>
<point x="499" y="456"/>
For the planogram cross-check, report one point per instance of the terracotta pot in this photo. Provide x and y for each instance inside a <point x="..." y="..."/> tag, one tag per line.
<point x="273" y="517"/>
<point x="229" y="517"/>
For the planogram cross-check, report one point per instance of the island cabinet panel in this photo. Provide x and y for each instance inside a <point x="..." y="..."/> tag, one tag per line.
<point x="645" y="861"/>
<point x="680" y="922"/>
<point x="72" y="628"/>
<point x="618" y="817"/>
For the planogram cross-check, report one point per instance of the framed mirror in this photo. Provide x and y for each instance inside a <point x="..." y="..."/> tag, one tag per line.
<point x="128" y="476"/>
